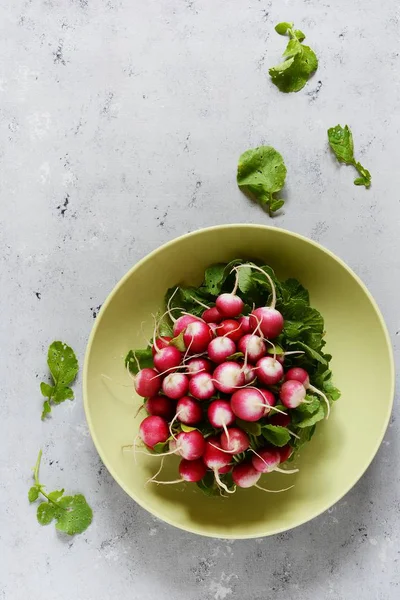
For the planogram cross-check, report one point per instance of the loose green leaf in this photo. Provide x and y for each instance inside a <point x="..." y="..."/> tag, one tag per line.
<point x="341" y="141"/>
<point x="282" y="28"/>
<point x="46" y="409"/>
<point x="261" y="174"/>
<point x="300" y="61"/>
<point x="276" y="435"/>
<point x="139" y="359"/>
<point x="45" y="513"/>
<point x="56" y="495"/>
<point x="76" y="515"/>
<point x="235" y="356"/>
<point x="33" y="493"/>
<point x="72" y="513"/>
<point x="63" y="367"/>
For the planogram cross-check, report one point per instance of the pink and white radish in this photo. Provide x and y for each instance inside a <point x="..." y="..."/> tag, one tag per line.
<point x="228" y="377"/>
<point x="175" y="385"/>
<point x="153" y="430"/>
<point x="249" y="404"/>
<point x="167" y="358"/>
<point x="269" y="370"/>
<point x="269" y="319"/>
<point x="252" y="346"/>
<point x="267" y="460"/>
<point x="192" y="470"/>
<point x="299" y="374"/>
<point x="230" y="305"/>
<point x="249" y="371"/>
<point x="198" y="365"/>
<point x="189" y="411"/>
<point x="147" y="382"/>
<point x="197" y="336"/>
<point x="160" y="406"/>
<point x="220" y="348"/>
<point x="292" y="393"/>
<point x="189" y="470"/>
<point x="189" y="444"/>
<point x="235" y="440"/>
<point x="182" y="322"/>
<point x="245" y="475"/>
<point x="285" y="452"/>
<point x="218" y="461"/>
<point x="220" y="414"/>
<point x="201" y="386"/>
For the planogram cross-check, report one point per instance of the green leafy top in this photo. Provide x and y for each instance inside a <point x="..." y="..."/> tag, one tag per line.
<point x="341" y="141"/>
<point x="261" y="174"/>
<point x="63" y="367"/>
<point x="72" y="513"/>
<point x="300" y="61"/>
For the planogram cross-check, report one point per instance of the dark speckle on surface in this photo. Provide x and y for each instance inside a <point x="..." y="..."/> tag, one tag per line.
<point x="62" y="208"/>
<point x="95" y="310"/>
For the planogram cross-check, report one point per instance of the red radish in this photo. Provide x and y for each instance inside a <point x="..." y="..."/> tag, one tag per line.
<point x="269" y="370"/>
<point x="175" y="385"/>
<point x="249" y="372"/>
<point x="252" y="346"/>
<point x="160" y="406"/>
<point x="201" y="386"/>
<point x="189" y="411"/>
<point x="269" y="320"/>
<point x="226" y="469"/>
<point x="160" y="343"/>
<point x="245" y="323"/>
<point x="212" y="315"/>
<point x="292" y="393"/>
<point x="192" y="470"/>
<point x="231" y="329"/>
<point x="269" y="400"/>
<point x="235" y="440"/>
<point x="153" y="430"/>
<point x="245" y="475"/>
<point x="285" y="452"/>
<point x="266" y="461"/>
<point x="213" y="327"/>
<point x="299" y="374"/>
<point x="167" y="358"/>
<point x="248" y="404"/>
<point x="197" y="336"/>
<point x="198" y="365"/>
<point x="190" y="444"/>
<point x="228" y="376"/>
<point x="220" y="348"/>
<point x="220" y="414"/>
<point x="182" y="322"/>
<point x="147" y="382"/>
<point x="280" y="420"/>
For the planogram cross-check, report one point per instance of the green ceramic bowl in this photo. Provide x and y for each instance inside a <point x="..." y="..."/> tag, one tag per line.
<point x="342" y="447"/>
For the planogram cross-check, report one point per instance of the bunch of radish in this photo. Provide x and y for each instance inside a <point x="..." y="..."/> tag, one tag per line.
<point x="223" y="373"/>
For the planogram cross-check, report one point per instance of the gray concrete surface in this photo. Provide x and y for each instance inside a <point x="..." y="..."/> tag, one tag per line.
<point x="121" y="125"/>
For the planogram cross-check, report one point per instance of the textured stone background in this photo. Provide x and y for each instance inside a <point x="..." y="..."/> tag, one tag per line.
<point x="121" y="125"/>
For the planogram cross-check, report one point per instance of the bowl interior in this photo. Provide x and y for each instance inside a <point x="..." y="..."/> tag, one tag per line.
<point x="341" y="449"/>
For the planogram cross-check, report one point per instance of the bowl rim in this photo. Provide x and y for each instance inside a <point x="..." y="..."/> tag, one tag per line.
<point x="197" y="529"/>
